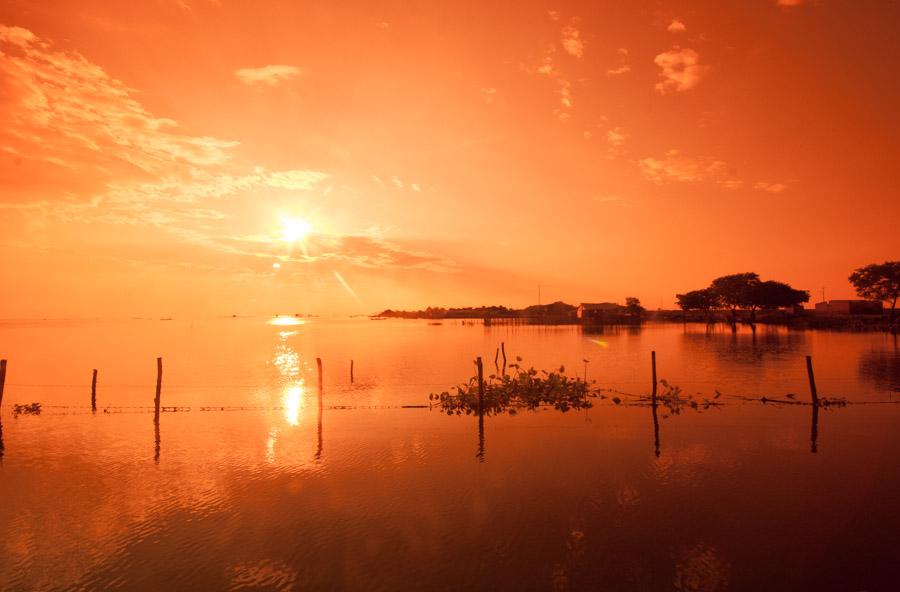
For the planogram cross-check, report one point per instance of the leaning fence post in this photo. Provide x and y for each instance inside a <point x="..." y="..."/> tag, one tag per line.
<point x="503" y="351"/>
<point x="653" y="364"/>
<point x="94" y="391"/>
<point x="2" y="378"/>
<point x="158" y="387"/>
<point x="812" y="381"/>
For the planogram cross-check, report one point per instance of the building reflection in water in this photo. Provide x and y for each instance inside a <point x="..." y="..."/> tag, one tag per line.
<point x="882" y="367"/>
<point x="744" y="348"/>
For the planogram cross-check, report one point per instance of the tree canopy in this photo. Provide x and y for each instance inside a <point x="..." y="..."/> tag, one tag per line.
<point x="771" y="295"/>
<point x="878" y="281"/>
<point x="735" y="290"/>
<point x="705" y="299"/>
<point x="633" y="306"/>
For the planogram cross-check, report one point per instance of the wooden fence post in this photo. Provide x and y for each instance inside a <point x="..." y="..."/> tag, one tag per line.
<point x="351" y="371"/>
<point x="812" y="381"/>
<point x="2" y="379"/>
<point x="653" y="363"/>
<point x="94" y="391"/>
<point x="319" y="366"/>
<point x="158" y="387"/>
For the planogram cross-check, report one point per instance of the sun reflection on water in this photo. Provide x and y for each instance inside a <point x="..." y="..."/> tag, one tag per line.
<point x="286" y="321"/>
<point x="292" y="400"/>
<point x="287" y="361"/>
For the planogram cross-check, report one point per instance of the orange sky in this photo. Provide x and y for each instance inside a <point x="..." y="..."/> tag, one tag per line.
<point x="443" y="153"/>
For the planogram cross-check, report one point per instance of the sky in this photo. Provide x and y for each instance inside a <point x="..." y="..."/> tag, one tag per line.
<point x="202" y="157"/>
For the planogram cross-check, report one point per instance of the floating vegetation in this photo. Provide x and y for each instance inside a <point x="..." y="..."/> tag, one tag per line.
<point x="522" y="389"/>
<point x="672" y="399"/>
<point x="833" y="402"/>
<point x="26" y="409"/>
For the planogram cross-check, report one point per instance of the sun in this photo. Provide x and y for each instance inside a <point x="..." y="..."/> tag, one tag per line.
<point x="294" y="229"/>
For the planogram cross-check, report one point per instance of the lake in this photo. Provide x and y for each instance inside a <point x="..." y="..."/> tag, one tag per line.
<point x="250" y="485"/>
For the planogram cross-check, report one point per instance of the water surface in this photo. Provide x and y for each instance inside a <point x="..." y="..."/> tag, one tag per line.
<point x="273" y="493"/>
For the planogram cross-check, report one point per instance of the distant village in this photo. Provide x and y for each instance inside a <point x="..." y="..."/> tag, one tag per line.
<point x="737" y="298"/>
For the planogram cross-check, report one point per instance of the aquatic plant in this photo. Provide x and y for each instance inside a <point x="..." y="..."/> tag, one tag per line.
<point x="672" y="398"/>
<point x="522" y="388"/>
<point x="833" y="402"/>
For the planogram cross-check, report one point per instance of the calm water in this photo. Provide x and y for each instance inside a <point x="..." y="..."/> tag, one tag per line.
<point x="367" y="495"/>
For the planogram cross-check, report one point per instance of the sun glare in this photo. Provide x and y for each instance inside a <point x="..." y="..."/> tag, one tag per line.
<point x="280" y="321"/>
<point x="292" y="401"/>
<point x="294" y="229"/>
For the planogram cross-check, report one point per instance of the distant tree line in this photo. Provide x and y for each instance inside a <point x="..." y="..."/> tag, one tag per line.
<point x="556" y="310"/>
<point x="745" y="291"/>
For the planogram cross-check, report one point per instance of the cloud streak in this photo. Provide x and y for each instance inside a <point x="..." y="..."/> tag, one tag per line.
<point x="270" y="75"/>
<point x="677" y="167"/>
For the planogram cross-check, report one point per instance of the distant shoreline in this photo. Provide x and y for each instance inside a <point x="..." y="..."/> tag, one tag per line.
<point x="806" y="319"/>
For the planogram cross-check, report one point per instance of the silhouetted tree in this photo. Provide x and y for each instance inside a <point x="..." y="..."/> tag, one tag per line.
<point x="704" y="300"/>
<point x="735" y="291"/>
<point x="633" y="307"/>
<point x="770" y="295"/>
<point x="879" y="281"/>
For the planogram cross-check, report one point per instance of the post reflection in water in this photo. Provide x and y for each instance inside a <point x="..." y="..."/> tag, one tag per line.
<point x="156" y="438"/>
<point x="653" y="407"/>
<point x="814" y="435"/>
<point x="480" y="454"/>
<point x="319" y="428"/>
<point x="1" y="440"/>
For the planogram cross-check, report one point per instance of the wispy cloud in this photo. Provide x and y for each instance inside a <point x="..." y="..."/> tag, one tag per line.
<point x="366" y="250"/>
<point x="680" y="70"/>
<point x="615" y="137"/>
<point x="64" y="110"/>
<point x="623" y="66"/>
<point x="676" y="26"/>
<point x="678" y="167"/>
<point x="788" y="2"/>
<point x="270" y="75"/>
<point x="770" y="187"/>
<point x="571" y="41"/>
